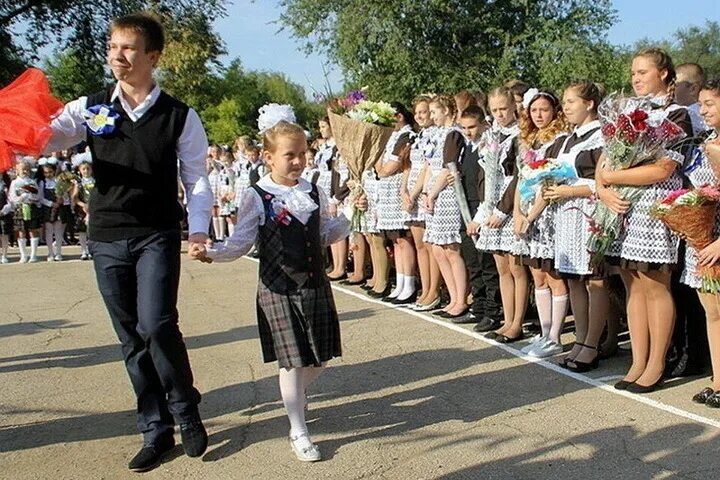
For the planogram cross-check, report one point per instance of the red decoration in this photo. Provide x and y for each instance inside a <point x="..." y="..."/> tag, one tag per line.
<point x="26" y="109"/>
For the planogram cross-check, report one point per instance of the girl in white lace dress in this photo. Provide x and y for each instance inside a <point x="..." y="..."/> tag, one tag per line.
<point x="543" y="130"/>
<point x="443" y="220"/>
<point x="575" y="203"/>
<point x="647" y="251"/>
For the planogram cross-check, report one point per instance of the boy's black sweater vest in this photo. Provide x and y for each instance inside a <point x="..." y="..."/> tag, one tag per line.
<point x="136" y="172"/>
<point x="473" y="178"/>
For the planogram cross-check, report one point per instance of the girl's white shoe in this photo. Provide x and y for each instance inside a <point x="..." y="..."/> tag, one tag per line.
<point x="304" y="449"/>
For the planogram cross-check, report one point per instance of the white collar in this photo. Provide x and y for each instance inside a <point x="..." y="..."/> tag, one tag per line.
<point x="267" y="184"/>
<point x="582" y="130"/>
<point x="509" y="130"/>
<point x="142" y="108"/>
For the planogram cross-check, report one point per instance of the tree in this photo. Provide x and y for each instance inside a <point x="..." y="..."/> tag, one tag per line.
<point x="71" y="75"/>
<point x="81" y="25"/>
<point x="406" y="47"/>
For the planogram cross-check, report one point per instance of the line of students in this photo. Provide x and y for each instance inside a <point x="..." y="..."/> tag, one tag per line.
<point x="509" y="240"/>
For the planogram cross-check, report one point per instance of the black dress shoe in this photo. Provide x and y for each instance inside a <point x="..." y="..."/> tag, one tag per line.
<point x="713" y="400"/>
<point x="506" y="339"/>
<point x="151" y="455"/>
<point x="411" y="299"/>
<point x="337" y="279"/>
<point x="451" y="316"/>
<point x="491" y="335"/>
<point x="703" y="395"/>
<point x="467" y="318"/>
<point x="194" y="438"/>
<point x="637" y="388"/>
<point x="486" y="324"/>
<point x="366" y="287"/>
<point x="622" y="385"/>
<point x="350" y="282"/>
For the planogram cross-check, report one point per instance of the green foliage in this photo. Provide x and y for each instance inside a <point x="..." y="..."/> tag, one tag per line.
<point x="240" y="94"/>
<point x="694" y="44"/>
<point x="72" y="75"/>
<point x="405" y="47"/>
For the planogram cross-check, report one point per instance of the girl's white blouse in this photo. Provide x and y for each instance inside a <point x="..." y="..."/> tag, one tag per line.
<point x="251" y="215"/>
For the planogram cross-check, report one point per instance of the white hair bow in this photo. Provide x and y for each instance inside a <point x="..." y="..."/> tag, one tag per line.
<point x="528" y="97"/>
<point x="273" y="113"/>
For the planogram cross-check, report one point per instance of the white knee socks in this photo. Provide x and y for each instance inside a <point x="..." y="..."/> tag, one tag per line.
<point x="59" y="228"/>
<point x="49" y="231"/>
<point x="543" y="300"/>
<point x="399" y="283"/>
<point x="22" y="243"/>
<point x="408" y="288"/>
<point x="4" y="243"/>
<point x="82" y="237"/>
<point x="293" y="383"/>
<point x="34" y="242"/>
<point x="559" y="311"/>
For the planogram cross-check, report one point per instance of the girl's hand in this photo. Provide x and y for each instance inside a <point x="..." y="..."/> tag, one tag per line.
<point x="556" y="192"/>
<point x="473" y="228"/>
<point x="351" y="184"/>
<point x="450" y="179"/>
<point x="613" y="201"/>
<point x="494" y="222"/>
<point x="520" y="224"/>
<point x="709" y="255"/>
<point x="430" y="204"/>
<point x="361" y="203"/>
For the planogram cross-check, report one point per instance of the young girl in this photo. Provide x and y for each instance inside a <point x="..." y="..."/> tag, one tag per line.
<point x="54" y="210"/>
<point x="575" y="201"/>
<point x="25" y="199"/>
<point x="492" y="223"/>
<point x="310" y="172"/>
<point x="542" y="133"/>
<point x="328" y="181"/>
<point x="701" y="175"/>
<point x="414" y="203"/>
<point x="6" y="218"/>
<point x="443" y="218"/>
<point x="216" y="177"/>
<point x="81" y="200"/>
<point x="646" y="250"/>
<point x="226" y="192"/>
<point x="296" y="312"/>
<point x="391" y="217"/>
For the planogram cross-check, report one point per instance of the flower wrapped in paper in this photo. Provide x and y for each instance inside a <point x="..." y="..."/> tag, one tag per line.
<point x="26" y="109"/>
<point x="361" y="134"/>
<point x="690" y="213"/>
<point x="64" y="183"/>
<point x="635" y="133"/>
<point x="540" y="173"/>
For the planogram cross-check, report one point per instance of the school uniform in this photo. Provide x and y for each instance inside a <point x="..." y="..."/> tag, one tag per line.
<point x="296" y="313"/>
<point x="420" y="151"/>
<point x="134" y="236"/>
<point x="24" y="196"/>
<point x="442" y="226"/>
<point x="582" y="149"/>
<point x="391" y="215"/>
<point x="498" y="157"/>
<point x="483" y="275"/>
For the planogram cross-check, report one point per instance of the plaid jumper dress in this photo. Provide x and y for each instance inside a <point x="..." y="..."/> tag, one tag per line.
<point x="296" y="313"/>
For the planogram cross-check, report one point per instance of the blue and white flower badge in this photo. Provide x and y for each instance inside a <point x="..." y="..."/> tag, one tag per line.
<point x="101" y="119"/>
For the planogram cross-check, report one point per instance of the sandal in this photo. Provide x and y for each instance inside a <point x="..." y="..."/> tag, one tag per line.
<point x="305" y="454"/>
<point x="582" y="367"/>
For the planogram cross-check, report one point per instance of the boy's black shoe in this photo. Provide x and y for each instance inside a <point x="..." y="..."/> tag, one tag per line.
<point x="151" y="455"/>
<point x="194" y="438"/>
<point x="486" y="324"/>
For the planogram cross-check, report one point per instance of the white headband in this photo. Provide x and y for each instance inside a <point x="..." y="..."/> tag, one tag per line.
<point x="274" y="113"/>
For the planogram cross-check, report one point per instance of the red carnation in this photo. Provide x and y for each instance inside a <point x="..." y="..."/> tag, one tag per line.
<point x="609" y="130"/>
<point x="638" y="116"/>
<point x="537" y="164"/>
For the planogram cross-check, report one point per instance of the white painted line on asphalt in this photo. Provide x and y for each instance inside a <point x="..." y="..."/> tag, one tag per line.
<point x="540" y="362"/>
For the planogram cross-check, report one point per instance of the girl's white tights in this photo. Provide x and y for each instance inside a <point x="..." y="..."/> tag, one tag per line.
<point x="293" y="385"/>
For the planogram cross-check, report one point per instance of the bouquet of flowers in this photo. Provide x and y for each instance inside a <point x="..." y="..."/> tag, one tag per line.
<point x="64" y="183"/>
<point x="536" y="173"/>
<point x="690" y="213"/>
<point x="361" y="131"/>
<point x="27" y="191"/>
<point x="634" y="134"/>
<point x="26" y="108"/>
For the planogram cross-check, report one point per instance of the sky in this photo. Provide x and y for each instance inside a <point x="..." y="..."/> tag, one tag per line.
<point x="249" y="34"/>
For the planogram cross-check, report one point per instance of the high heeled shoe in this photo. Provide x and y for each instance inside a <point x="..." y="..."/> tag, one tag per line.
<point x="384" y="293"/>
<point x="582" y="367"/>
<point x="637" y="388"/>
<point x="703" y="395"/>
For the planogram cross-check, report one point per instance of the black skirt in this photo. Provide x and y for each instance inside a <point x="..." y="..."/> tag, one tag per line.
<point x="298" y="329"/>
